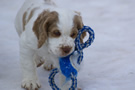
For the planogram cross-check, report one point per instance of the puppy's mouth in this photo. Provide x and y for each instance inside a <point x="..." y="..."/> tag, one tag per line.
<point x="64" y="55"/>
<point x="62" y="52"/>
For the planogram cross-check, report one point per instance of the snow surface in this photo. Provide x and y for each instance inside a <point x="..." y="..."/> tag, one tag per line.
<point x="108" y="64"/>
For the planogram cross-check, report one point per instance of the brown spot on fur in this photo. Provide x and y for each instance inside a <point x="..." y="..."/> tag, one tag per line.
<point x="43" y="24"/>
<point x="79" y="25"/>
<point x="31" y="13"/>
<point x="24" y="20"/>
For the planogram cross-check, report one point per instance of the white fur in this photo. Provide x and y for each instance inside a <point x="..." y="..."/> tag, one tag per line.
<point x="50" y="51"/>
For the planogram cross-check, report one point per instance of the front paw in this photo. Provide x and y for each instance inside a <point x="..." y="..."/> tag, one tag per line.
<point x="30" y="84"/>
<point x="39" y="63"/>
<point x="48" y="67"/>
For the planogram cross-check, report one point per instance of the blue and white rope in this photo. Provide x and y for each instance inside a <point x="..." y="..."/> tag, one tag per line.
<point x="79" y="46"/>
<point x="54" y="86"/>
<point x="79" y="49"/>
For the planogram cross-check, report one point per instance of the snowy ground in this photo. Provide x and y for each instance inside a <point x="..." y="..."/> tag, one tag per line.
<point x="108" y="64"/>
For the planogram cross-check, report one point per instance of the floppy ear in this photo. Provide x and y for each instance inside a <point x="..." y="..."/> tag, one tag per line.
<point x="79" y="25"/>
<point x="42" y="24"/>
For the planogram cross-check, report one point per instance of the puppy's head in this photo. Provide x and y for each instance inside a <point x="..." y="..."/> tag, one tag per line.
<point x="58" y="29"/>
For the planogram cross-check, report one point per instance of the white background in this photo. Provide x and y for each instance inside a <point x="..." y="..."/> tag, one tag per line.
<point x="109" y="64"/>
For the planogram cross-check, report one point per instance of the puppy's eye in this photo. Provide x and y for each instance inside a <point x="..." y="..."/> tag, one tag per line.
<point x="73" y="35"/>
<point x="57" y="33"/>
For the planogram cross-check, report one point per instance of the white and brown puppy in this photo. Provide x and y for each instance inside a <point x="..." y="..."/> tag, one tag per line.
<point x="46" y="32"/>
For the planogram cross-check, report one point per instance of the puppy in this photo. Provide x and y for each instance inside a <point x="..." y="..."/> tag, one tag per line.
<point x="46" y="33"/>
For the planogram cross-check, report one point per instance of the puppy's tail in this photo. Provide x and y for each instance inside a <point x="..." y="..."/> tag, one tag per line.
<point x="49" y="2"/>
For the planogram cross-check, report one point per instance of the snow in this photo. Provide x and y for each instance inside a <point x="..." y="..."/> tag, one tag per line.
<point x="108" y="64"/>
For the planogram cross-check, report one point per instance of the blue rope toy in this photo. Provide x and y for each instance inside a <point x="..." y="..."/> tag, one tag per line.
<point x="69" y="64"/>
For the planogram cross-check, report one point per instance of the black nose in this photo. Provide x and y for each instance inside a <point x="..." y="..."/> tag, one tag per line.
<point x="66" y="49"/>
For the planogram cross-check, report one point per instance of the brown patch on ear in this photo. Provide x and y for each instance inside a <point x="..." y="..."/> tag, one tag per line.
<point x="42" y="24"/>
<point x="79" y="25"/>
<point x="24" y="20"/>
